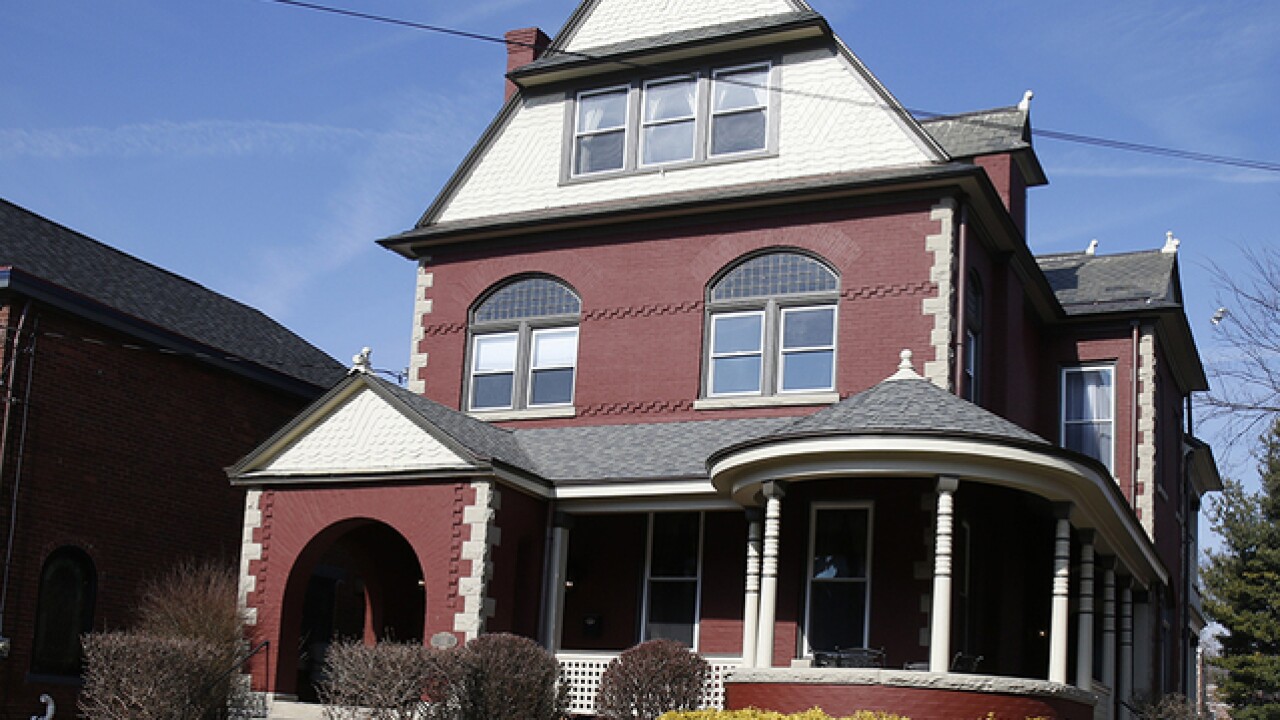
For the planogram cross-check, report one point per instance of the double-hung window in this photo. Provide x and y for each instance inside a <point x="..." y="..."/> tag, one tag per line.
<point x="1088" y="411"/>
<point x="772" y="327"/>
<point x="668" y="127"/>
<point x="672" y="570"/>
<point x="973" y="339"/>
<point x="739" y="110"/>
<point x="838" y="603"/>
<point x="600" y="131"/>
<point x="524" y="347"/>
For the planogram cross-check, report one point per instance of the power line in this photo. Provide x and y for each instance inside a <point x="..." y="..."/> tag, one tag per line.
<point x="1107" y="143"/>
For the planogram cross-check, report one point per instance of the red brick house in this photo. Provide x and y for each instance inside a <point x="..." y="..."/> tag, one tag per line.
<point x="126" y="391"/>
<point x="714" y="341"/>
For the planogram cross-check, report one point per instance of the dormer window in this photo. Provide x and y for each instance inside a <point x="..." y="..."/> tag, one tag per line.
<point x="675" y="120"/>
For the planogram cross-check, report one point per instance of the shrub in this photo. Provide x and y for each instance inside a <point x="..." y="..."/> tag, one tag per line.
<point x="650" y="679"/>
<point x="188" y="637"/>
<point x="506" y="677"/>
<point x="754" y="714"/>
<point x="387" y="681"/>
<point x="1169" y="707"/>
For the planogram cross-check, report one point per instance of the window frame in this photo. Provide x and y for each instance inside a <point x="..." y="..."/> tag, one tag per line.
<point x="643" y="124"/>
<point x="649" y="578"/>
<point x="524" y="329"/>
<point x="633" y="131"/>
<point x="1063" y="422"/>
<point x="713" y="114"/>
<point x="836" y="505"/>
<point x="578" y="133"/>
<point x="975" y="304"/>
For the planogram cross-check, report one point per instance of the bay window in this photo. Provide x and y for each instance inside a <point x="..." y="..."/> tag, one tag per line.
<point x="524" y="347"/>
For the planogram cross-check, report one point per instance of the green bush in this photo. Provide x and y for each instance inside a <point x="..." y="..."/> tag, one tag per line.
<point x="651" y="679"/>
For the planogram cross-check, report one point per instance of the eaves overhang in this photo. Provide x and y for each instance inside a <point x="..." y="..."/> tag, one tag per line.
<point x="414" y="243"/>
<point x="1052" y="473"/>
<point x="1204" y="474"/>
<point x="19" y="282"/>
<point x="1182" y="354"/>
<point x="675" y="49"/>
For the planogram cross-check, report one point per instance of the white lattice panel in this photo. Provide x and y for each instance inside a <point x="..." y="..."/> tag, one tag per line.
<point x="582" y="672"/>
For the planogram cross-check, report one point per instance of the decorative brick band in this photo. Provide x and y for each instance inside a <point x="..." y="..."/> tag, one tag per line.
<point x="648" y="310"/>
<point x="872" y="292"/>
<point x="942" y="245"/>
<point x="636" y="408"/>
<point x="476" y="551"/>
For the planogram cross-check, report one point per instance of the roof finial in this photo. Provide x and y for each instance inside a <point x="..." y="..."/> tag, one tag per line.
<point x="906" y="371"/>
<point x="360" y="362"/>
<point x="1171" y="244"/>
<point x="1093" y="247"/>
<point x="1025" y="104"/>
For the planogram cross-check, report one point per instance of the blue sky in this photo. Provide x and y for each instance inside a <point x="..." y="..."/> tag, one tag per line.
<point x="261" y="149"/>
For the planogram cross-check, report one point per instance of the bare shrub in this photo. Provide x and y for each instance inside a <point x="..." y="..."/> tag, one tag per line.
<point x="650" y="679"/>
<point x="387" y="681"/>
<point x="506" y="677"/>
<point x="134" y="676"/>
<point x="1169" y="707"/>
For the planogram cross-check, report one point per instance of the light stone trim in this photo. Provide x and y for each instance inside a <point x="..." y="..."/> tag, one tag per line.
<point x="250" y="550"/>
<point x="942" y="245"/>
<point x="480" y="517"/>
<point x="1146" y="441"/>
<point x="912" y="679"/>
<point x="422" y="307"/>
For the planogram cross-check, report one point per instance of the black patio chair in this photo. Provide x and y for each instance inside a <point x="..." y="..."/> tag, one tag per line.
<point x="965" y="663"/>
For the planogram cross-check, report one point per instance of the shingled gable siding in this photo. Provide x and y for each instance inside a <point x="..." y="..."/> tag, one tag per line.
<point x="643" y="290"/>
<point x="92" y="479"/>
<point x="612" y="21"/>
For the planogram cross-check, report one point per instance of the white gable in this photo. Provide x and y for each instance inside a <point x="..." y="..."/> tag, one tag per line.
<point x="615" y="21"/>
<point x="362" y="434"/>
<point x="830" y="118"/>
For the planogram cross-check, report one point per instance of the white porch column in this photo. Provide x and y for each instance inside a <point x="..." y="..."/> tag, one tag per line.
<point x="1084" y="626"/>
<point x="940" y="617"/>
<point x="557" y="561"/>
<point x="1058" y="617"/>
<point x="1124" y="681"/>
<point x="1109" y="628"/>
<point x="773" y="492"/>
<point x="751" y="605"/>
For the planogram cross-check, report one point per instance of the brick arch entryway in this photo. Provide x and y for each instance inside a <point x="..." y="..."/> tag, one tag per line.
<point x="359" y="579"/>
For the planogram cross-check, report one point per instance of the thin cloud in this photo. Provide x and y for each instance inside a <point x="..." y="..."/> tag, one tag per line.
<point x="196" y="139"/>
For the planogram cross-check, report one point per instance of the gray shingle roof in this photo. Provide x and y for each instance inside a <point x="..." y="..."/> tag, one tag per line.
<point x="980" y="133"/>
<point x="149" y="297"/>
<point x="1086" y="284"/>
<point x="911" y="406"/>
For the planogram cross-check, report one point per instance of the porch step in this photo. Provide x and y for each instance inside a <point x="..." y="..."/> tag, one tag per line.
<point x="286" y="710"/>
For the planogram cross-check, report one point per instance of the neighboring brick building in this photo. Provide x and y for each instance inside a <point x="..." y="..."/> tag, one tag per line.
<point x="126" y="390"/>
<point x="715" y="341"/>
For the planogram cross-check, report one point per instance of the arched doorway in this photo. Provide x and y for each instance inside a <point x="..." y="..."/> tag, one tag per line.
<point x="357" y="579"/>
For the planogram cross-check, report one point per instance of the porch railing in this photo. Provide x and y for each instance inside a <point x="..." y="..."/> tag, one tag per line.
<point x="581" y="671"/>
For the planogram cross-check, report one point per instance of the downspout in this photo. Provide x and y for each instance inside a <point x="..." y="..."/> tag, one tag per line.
<point x="4" y="447"/>
<point x="962" y="287"/>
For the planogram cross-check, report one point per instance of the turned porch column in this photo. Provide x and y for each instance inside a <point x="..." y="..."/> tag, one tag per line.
<point x="773" y="492"/>
<point x="1059" y="610"/>
<point x="940" y="617"/>
<point x="1084" y="625"/>
<point x="751" y="605"/>
<point x="1124" y="679"/>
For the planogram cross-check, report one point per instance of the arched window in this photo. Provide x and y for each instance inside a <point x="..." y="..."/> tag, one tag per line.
<point x="68" y="589"/>
<point x="972" y="338"/>
<point x="524" y="346"/>
<point x="771" y="327"/>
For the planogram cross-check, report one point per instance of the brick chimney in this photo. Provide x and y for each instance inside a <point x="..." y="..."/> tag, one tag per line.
<point x="523" y="47"/>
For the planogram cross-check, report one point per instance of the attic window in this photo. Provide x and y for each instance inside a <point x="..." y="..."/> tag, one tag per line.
<point x="600" y="133"/>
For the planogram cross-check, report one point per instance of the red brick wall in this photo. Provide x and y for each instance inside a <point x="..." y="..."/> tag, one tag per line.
<point x="518" y="564"/>
<point x="642" y="290"/>
<point x="124" y="450"/>
<point x="915" y="703"/>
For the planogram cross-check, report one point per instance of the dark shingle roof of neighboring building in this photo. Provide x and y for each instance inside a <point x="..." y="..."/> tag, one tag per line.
<point x="1087" y="284"/>
<point x="155" y="301"/>
<point x="980" y="133"/>
<point x="910" y="405"/>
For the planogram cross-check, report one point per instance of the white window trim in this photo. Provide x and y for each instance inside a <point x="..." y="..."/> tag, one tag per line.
<point x="761" y="353"/>
<point x="644" y="124"/>
<point x="1110" y="369"/>
<point x="712" y="114"/>
<point x="648" y="577"/>
<point x="814" y="509"/>
<point x="784" y="351"/>
<point x="533" y="344"/>
<point x="578" y="133"/>
<point x="514" y="372"/>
